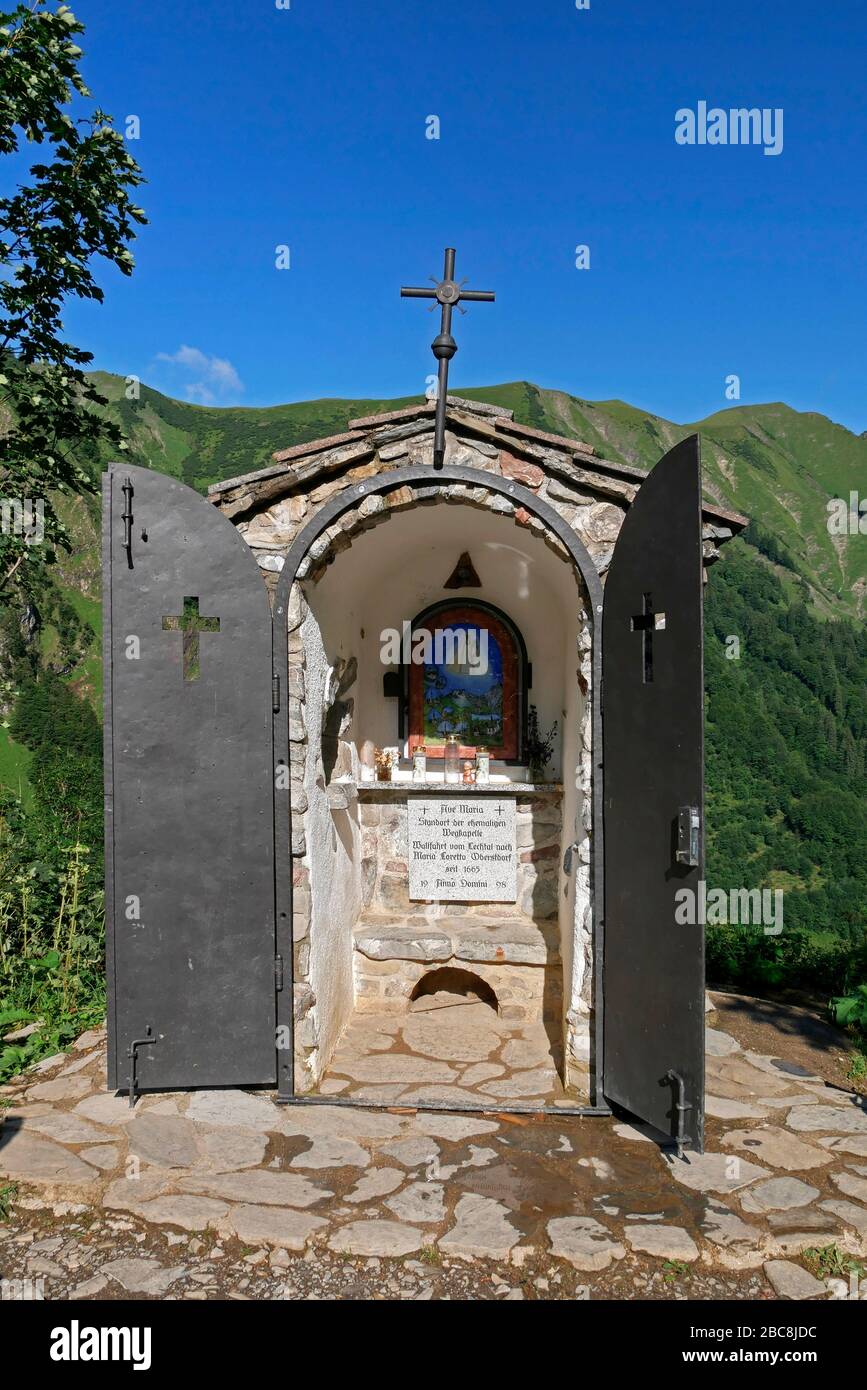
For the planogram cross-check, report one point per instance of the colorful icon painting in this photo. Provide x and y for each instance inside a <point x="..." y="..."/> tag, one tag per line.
<point x="467" y="687"/>
<point x="465" y="696"/>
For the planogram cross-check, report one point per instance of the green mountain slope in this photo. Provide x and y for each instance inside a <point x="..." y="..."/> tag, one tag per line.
<point x="786" y="756"/>
<point x="778" y="465"/>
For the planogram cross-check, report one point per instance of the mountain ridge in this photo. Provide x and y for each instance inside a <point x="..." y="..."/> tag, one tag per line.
<point x="777" y="465"/>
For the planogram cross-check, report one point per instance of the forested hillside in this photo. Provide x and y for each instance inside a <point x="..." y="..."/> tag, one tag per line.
<point x="786" y="731"/>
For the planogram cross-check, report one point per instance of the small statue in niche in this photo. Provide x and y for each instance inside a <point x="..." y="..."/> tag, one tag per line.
<point x="337" y="715"/>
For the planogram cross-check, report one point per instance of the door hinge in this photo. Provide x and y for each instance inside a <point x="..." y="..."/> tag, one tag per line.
<point x="132" y="1054"/>
<point x="127" y="519"/>
<point x="275" y="693"/>
<point x="278" y="973"/>
<point x="680" y="1107"/>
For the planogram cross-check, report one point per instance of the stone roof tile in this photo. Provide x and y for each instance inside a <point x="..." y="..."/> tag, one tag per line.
<point x="315" y="446"/>
<point x="427" y="407"/>
<point x="407" y="412"/>
<point x="528" y="432"/>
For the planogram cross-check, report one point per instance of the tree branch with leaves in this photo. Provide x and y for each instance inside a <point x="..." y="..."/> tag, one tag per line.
<point x="75" y="208"/>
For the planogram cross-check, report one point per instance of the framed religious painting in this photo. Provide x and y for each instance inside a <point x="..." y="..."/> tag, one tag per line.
<point x="467" y="679"/>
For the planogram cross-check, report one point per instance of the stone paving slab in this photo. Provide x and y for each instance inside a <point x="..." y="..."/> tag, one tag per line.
<point x="791" y="1281"/>
<point x="778" y="1194"/>
<point x="31" y="1158"/>
<point x="666" y="1242"/>
<point x="584" y="1242"/>
<point x="287" y="1230"/>
<point x="262" y="1187"/>
<point x="852" y="1120"/>
<point x="777" y="1147"/>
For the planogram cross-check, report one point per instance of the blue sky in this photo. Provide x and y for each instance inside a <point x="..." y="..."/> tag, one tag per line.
<point x="306" y="127"/>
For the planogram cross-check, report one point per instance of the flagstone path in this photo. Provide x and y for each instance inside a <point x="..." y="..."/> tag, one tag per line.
<point x="447" y="1049"/>
<point x="224" y="1193"/>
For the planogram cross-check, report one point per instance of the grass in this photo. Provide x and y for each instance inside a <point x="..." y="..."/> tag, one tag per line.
<point x="830" y="1262"/>
<point x="14" y="767"/>
<point x="8" y="1193"/>
<point x="857" y="1070"/>
<point x="50" y="970"/>
<point x="853" y="1065"/>
<point x="88" y="674"/>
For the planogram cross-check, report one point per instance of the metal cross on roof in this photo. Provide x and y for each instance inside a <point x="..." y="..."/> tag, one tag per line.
<point x="449" y="293"/>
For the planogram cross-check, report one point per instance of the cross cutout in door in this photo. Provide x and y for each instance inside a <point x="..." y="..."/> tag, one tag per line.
<point x="647" y="623"/>
<point x="190" y="622"/>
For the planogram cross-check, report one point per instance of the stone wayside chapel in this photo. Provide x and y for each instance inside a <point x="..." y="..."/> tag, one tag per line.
<point x="362" y="941"/>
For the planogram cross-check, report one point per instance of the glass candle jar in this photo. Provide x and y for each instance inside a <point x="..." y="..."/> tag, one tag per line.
<point x="483" y="766"/>
<point x="419" y="764"/>
<point x="452" y="759"/>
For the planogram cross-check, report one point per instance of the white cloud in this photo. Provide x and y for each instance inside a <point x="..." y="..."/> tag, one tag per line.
<point x="214" y="379"/>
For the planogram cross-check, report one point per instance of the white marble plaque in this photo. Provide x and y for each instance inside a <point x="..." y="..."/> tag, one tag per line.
<point x="463" y="850"/>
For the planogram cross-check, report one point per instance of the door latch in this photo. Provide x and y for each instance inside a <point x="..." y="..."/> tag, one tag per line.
<point x="688" y="836"/>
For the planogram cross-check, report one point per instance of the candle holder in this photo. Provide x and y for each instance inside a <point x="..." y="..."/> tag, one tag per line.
<point x="452" y="759"/>
<point x="384" y="762"/>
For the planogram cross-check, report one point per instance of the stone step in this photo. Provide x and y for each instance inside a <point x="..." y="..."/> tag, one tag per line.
<point x="494" y="940"/>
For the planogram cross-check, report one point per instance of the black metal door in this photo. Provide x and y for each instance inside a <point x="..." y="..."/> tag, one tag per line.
<point x="654" y="748"/>
<point x="189" y="791"/>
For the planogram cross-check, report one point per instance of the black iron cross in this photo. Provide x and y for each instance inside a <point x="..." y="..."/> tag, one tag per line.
<point x="647" y="623"/>
<point x="190" y="622"/>
<point x="449" y="293"/>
